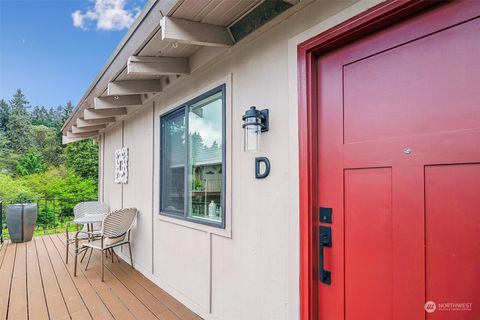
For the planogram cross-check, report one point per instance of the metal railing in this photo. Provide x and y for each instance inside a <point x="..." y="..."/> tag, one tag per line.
<point x="53" y="213"/>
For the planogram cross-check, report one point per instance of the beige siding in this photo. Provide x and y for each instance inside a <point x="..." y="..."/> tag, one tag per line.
<point x="182" y="263"/>
<point x="250" y="270"/>
<point x="138" y="137"/>
<point x="112" y="191"/>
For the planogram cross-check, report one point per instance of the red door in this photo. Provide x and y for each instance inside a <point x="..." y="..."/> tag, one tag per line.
<point x="399" y="169"/>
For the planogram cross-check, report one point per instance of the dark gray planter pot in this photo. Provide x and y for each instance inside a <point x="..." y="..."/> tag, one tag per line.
<point x="21" y="219"/>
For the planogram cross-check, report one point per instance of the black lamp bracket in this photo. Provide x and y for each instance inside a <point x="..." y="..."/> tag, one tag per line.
<point x="258" y="114"/>
<point x="265" y="121"/>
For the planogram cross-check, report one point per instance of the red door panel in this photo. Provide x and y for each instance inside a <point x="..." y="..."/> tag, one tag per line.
<point x="368" y="243"/>
<point x="331" y="299"/>
<point x="408" y="242"/>
<point x="425" y="78"/>
<point x="452" y="207"/>
<point x="399" y="163"/>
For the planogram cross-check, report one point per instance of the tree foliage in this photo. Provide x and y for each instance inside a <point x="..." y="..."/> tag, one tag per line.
<point x="8" y="158"/>
<point x="33" y="162"/>
<point x="61" y="183"/>
<point x="82" y="158"/>
<point x="48" y="145"/>
<point x="19" y="124"/>
<point x="4" y="115"/>
<point x="41" y="116"/>
<point x="14" y="189"/>
<point x="36" y="167"/>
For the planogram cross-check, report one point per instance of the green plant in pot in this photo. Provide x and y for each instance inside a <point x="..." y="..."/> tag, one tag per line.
<point x="197" y="185"/>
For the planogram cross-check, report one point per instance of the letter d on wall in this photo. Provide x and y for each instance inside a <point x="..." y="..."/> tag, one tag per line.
<point x="266" y="172"/>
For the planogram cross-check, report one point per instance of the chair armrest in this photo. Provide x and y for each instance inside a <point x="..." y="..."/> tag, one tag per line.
<point x="86" y="232"/>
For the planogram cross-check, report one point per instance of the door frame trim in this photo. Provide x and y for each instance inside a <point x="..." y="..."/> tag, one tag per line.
<point x="365" y="23"/>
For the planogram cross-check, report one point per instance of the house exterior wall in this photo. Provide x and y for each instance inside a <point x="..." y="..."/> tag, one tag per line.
<point x="112" y="192"/>
<point x="138" y="137"/>
<point x="249" y="270"/>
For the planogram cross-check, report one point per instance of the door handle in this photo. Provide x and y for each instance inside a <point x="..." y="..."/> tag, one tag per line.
<point x="325" y="240"/>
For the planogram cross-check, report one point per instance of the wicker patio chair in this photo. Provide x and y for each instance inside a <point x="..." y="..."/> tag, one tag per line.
<point x="115" y="232"/>
<point x="81" y="210"/>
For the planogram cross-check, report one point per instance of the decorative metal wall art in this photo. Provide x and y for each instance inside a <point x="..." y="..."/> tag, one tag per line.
<point x="121" y="166"/>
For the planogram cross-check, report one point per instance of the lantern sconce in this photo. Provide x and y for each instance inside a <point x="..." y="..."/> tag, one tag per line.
<point x="255" y="122"/>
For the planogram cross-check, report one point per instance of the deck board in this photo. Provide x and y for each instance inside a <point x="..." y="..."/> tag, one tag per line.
<point x="118" y="307"/>
<point x="37" y="306"/>
<point x="18" y="291"/>
<point x="74" y="302"/>
<point x="55" y="301"/>
<point x="6" y="273"/>
<point x="135" y="305"/>
<point x="150" y="301"/>
<point x="36" y="283"/>
<point x="3" y="248"/>
<point x="110" y="299"/>
<point x="173" y="305"/>
<point x="92" y="299"/>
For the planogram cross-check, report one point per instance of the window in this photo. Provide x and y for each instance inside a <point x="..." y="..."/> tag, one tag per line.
<point x="193" y="160"/>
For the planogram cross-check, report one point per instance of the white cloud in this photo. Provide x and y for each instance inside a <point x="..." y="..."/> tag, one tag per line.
<point x="78" y="19"/>
<point x="107" y="14"/>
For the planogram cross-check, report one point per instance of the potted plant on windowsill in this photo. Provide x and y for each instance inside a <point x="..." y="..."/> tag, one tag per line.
<point x="21" y="218"/>
<point x="197" y="185"/>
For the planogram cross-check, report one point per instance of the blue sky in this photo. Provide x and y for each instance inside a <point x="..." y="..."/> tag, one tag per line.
<point x="53" y="50"/>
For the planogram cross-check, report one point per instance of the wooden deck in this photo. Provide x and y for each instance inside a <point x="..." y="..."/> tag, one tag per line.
<point x="35" y="283"/>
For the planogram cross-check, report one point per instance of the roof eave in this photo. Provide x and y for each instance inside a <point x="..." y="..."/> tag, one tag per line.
<point x="158" y="7"/>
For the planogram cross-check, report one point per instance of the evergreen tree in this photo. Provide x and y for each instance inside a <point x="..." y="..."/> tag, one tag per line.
<point x="63" y="115"/>
<point x="19" y="126"/>
<point x="196" y="144"/>
<point x="82" y="158"/>
<point x="8" y="158"/>
<point x="4" y="115"/>
<point x="47" y="144"/>
<point x="19" y="102"/>
<point x="67" y="111"/>
<point x="55" y="115"/>
<point x="41" y="116"/>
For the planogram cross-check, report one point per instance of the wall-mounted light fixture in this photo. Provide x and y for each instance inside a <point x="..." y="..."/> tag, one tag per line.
<point x="255" y="122"/>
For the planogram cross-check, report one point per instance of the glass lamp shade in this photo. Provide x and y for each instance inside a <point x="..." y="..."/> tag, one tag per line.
<point x="252" y="136"/>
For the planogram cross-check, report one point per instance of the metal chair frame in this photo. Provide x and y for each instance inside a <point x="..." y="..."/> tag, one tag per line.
<point x="109" y="230"/>
<point x="79" y="211"/>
